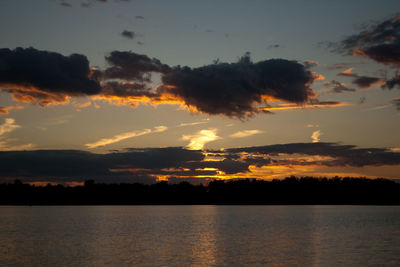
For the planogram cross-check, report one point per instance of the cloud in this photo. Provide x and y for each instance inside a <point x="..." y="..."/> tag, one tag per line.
<point x="348" y="72"/>
<point x="340" y="65"/>
<point x="139" y="17"/>
<point x="363" y="82"/>
<point x="192" y="123"/>
<point x="35" y="76"/>
<point x="315" y="136"/>
<point x="367" y="82"/>
<point x="5" y="110"/>
<point x="237" y="89"/>
<point x="119" y="137"/>
<point x="311" y="104"/>
<point x="245" y="133"/>
<point x="318" y="77"/>
<point x="274" y="46"/>
<point x="231" y="89"/>
<point x="4" y="146"/>
<point x="65" y="4"/>
<point x="198" y="140"/>
<point x="396" y="103"/>
<point x="74" y="165"/>
<point x="393" y="82"/>
<point x="310" y="63"/>
<point x="8" y="126"/>
<point x="130" y="66"/>
<point x="80" y="106"/>
<point x="339" y="87"/>
<point x="147" y="165"/>
<point x="128" y="34"/>
<point x="89" y="3"/>
<point x="339" y="155"/>
<point x="379" y="42"/>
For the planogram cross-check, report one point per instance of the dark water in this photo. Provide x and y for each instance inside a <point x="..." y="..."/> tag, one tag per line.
<point x="200" y="236"/>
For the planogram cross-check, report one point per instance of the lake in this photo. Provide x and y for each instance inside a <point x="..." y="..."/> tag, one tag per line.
<point x="200" y="235"/>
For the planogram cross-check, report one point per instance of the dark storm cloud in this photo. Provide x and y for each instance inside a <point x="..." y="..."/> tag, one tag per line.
<point x="145" y="165"/>
<point x="128" y="34"/>
<point x="379" y="42"/>
<point x="342" y="155"/>
<point x="226" y="165"/>
<point x="365" y="81"/>
<point x="131" y="66"/>
<point x="237" y="90"/>
<point x="24" y="69"/>
<point x="234" y="89"/>
<point x="127" y="89"/>
<point x="74" y="164"/>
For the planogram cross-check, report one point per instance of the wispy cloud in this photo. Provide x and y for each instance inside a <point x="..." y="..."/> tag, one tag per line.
<point x="315" y="136"/>
<point x="119" y="137"/>
<point x="5" y="110"/>
<point x="198" y="140"/>
<point x="320" y="104"/>
<point x="4" y="146"/>
<point x="80" y="106"/>
<point x="245" y="133"/>
<point x="8" y="126"/>
<point x="192" y="123"/>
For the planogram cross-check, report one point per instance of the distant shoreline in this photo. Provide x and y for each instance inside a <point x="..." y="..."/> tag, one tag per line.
<point x="289" y="191"/>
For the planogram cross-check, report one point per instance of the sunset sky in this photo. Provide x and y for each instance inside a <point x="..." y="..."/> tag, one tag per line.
<point x="126" y="91"/>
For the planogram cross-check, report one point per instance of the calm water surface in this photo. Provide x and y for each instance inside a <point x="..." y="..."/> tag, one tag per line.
<point x="200" y="236"/>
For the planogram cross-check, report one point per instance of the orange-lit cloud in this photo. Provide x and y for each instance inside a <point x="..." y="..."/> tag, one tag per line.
<point x="5" y="110"/>
<point x="119" y="137"/>
<point x="45" y="183"/>
<point x="44" y="77"/>
<point x="198" y="140"/>
<point x="347" y="72"/>
<point x="32" y="95"/>
<point x="192" y="123"/>
<point x="152" y="164"/>
<point x="315" y="136"/>
<point x="310" y="105"/>
<point x="134" y="101"/>
<point x="317" y="76"/>
<point x="80" y="106"/>
<point x="245" y="133"/>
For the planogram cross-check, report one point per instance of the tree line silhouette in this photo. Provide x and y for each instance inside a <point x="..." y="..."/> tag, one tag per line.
<point x="291" y="191"/>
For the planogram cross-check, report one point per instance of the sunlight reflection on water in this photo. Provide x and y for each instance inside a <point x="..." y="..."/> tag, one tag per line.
<point x="200" y="236"/>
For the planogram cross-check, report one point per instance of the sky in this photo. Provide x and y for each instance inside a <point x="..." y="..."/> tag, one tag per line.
<point x="125" y="90"/>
